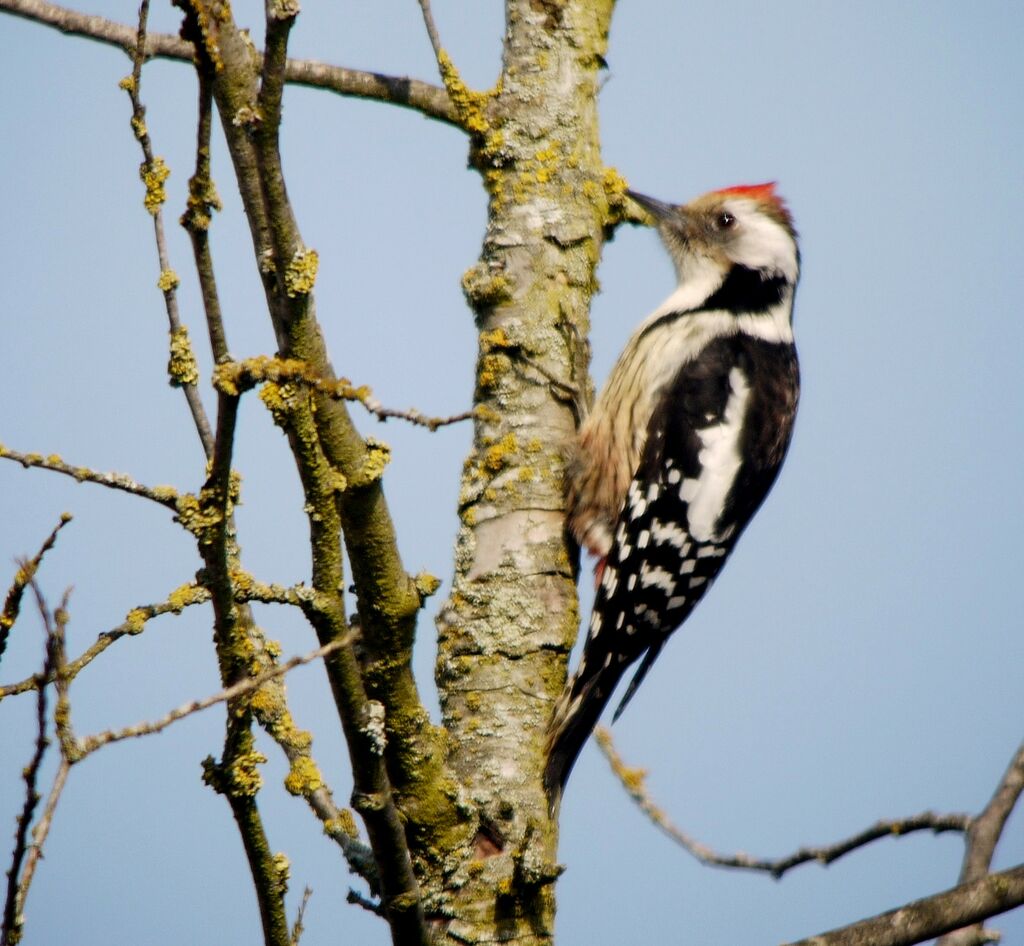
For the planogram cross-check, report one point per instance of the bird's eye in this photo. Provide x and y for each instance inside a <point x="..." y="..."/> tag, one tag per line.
<point x="725" y="220"/>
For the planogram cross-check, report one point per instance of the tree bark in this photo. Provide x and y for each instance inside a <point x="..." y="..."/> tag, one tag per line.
<point x="506" y="631"/>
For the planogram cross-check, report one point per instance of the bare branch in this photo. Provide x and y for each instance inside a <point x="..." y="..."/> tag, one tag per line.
<point x="932" y="916"/>
<point x="90" y="744"/>
<point x="26" y="572"/>
<point x="429" y="100"/>
<point x="633" y="781"/>
<point x="982" y="837"/>
<point x="166" y="496"/>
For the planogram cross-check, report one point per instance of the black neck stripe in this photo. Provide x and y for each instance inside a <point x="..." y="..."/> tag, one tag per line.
<point x="744" y="291"/>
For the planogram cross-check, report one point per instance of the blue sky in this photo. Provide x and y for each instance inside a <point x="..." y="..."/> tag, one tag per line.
<point x="860" y="657"/>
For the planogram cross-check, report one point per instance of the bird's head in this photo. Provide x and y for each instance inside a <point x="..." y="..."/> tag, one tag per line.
<point x="748" y="226"/>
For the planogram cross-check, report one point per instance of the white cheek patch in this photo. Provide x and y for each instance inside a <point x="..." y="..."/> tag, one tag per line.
<point x="762" y="243"/>
<point x="720" y="461"/>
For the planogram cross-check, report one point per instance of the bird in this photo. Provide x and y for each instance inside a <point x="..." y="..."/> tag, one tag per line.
<point x="683" y="443"/>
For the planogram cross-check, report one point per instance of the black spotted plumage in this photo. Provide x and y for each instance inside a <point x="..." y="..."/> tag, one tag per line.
<point x="658" y="569"/>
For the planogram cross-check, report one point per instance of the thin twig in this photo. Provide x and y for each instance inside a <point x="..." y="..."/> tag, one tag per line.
<point x="413" y="416"/>
<point x="428" y="21"/>
<point x="166" y="496"/>
<point x="90" y="744"/>
<point x="41" y="831"/>
<point x="26" y="572"/>
<point x="430" y="100"/>
<point x="297" y="927"/>
<point x="13" y="919"/>
<point x="633" y="781"/>
<point x="183" y="370"/>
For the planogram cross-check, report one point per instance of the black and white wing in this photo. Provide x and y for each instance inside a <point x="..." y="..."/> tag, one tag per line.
<point x="716" y="441"/>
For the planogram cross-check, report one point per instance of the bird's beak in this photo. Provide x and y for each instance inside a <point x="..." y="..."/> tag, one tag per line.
<point x="656" y="208"/>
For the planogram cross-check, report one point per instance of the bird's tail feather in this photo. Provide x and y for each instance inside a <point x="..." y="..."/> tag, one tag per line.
<point x="576" y="713"/>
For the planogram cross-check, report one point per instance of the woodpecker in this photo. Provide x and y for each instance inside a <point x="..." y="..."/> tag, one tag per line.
<point x="683" y="443"/>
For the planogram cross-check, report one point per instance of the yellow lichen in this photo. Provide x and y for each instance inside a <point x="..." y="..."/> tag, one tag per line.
<point x="139" y="128"/>
<point x="273" y="648"/>
<point x="486" y="414"/>
<point x="266" y="701"/>
<point x="182" y="367"/>
<point x="164" y="493"/>
<point x="168" y="280"/>
<point x="338" y="480"/>
<point x="344" y="823"/>
<point x="300" y="276"/>
<point x="496" y="338"/>
<point x="377" y="457"/>
<point x="426" y="584"/>
<point x="247" y="115"/>
<point x="497" y="456"/>
<point x="245" y="778"/>
<point x="283" y="868"/>
<point x="198" y="517"/>
<point x="304" y="777"/>
<point x="492" y="368"/>
<point x="469" y="105"/>
<point x="483" y="287"/>
<point x="154" y="175"/>
<point x="203" y="200"/>
<point x="135" y="621"/>
<point x="615" y="187"/>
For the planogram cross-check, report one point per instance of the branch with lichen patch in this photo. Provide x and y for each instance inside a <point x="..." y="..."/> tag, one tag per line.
<point x="166" y="496"/>
<point x="133" y="624"/>
<point x="632" y="780"/>
<point x="236" y="377"/>
<point x="181" y="367"/>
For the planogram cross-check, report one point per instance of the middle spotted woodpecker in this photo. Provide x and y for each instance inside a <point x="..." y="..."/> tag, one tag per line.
<point x="683" y="443"/>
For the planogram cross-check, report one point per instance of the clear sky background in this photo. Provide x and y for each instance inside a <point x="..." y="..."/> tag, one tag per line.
<point x="860" y="658"/>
